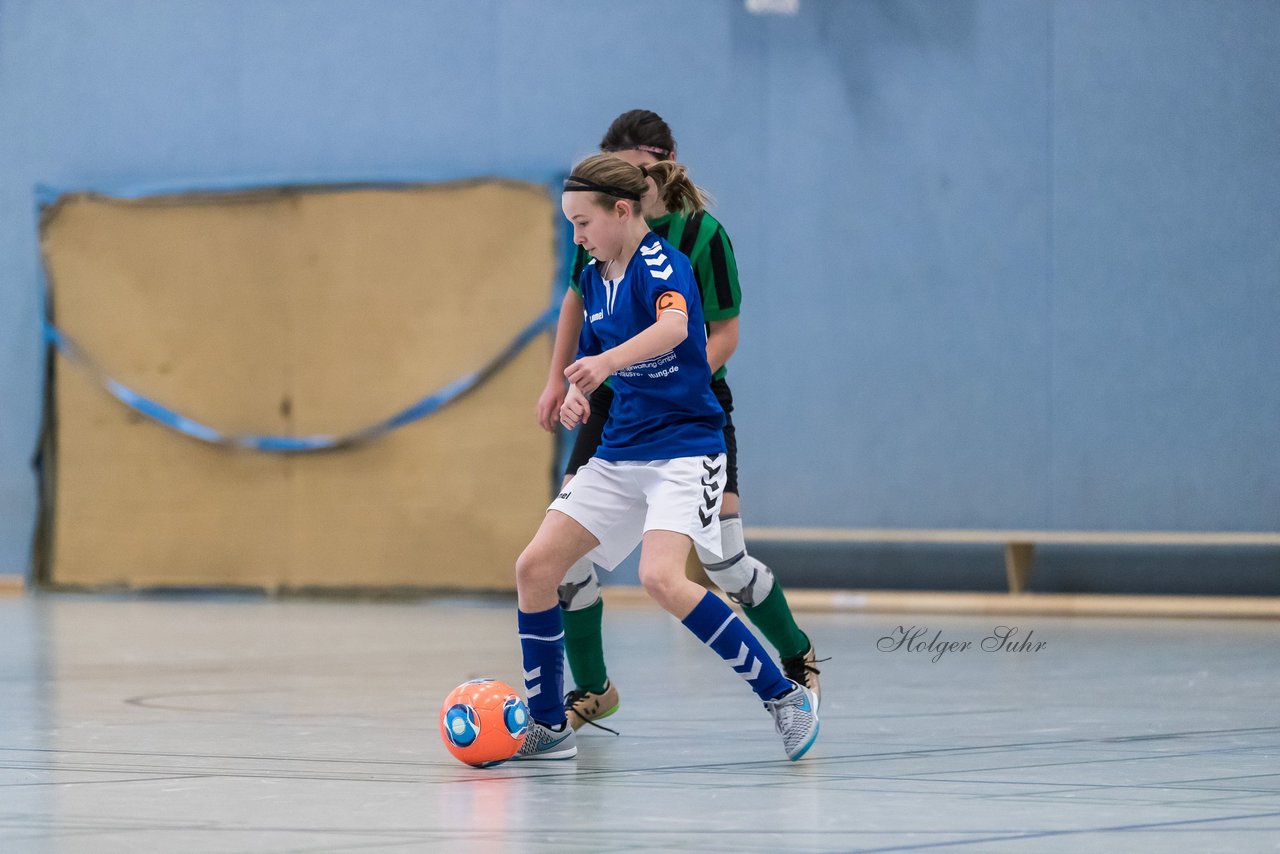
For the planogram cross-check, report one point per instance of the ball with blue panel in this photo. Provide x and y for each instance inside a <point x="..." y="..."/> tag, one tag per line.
<point x="461" y="725"/>
<point x="483" y="722"/>
<point x="516" y="715"/>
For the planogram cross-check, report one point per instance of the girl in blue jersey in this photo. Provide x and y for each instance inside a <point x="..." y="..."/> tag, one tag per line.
<point x="658" y="476"/>
<point x="642" y="138"/>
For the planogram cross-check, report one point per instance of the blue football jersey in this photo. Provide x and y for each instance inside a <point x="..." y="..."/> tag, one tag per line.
<point x="663" y="408"/>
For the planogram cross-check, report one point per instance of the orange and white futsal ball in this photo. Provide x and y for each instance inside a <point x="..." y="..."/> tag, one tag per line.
<point x="483" y="722"/>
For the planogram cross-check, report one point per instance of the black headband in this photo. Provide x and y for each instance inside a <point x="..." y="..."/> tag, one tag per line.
<point x="660" y="153"/>
<point x="575" y="184"/>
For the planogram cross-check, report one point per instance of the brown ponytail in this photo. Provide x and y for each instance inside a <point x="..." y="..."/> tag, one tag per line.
<point x="677" y="192"/>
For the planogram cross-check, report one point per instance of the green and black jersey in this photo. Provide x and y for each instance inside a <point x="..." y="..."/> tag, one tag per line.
<point x="702" y="239"/>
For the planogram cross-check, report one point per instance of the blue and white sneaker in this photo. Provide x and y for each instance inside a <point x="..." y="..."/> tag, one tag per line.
<point x="543" y="742"/>
<point x="795" y="717"/>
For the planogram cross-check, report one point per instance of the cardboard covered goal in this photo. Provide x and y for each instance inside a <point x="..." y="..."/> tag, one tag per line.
<point x="294" y="312"/>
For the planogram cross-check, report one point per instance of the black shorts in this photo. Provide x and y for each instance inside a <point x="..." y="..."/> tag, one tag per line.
<point x="588" y="438"/>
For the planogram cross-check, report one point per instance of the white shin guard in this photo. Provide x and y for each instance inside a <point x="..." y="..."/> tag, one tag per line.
<point x="744" y="579"/>
<point x="581" y="586"/>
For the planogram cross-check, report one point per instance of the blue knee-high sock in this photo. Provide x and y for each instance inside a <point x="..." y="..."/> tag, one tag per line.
<point x="542" y="644"/>
<point x="715" y="624"/>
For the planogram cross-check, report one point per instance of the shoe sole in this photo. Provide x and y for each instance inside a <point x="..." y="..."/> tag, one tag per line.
<point x="817" y="726"/>
<point x="563" y="753"/>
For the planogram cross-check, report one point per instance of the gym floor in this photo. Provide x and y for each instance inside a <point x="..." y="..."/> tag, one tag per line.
<point x="220" y="723"/>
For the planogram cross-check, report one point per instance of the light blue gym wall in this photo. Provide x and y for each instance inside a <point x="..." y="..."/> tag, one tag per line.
<point x="1026" y="273"/>
<point x="1007" y="263"/>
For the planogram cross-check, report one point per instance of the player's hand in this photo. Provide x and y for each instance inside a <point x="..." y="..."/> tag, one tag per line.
<point x="549" y="405"/>
<point x="589" y="372"/>
<point x="575" y="410"/>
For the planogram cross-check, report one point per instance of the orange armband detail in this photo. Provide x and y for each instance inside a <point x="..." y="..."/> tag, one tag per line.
<point x="672" y="300"/>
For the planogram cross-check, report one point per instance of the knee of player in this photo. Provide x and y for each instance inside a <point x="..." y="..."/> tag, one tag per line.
<point x="534" y="568"/>
<point x="660" y="581"/>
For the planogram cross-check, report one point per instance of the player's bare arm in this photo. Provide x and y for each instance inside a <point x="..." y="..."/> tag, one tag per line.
<point x="670" y="329"/>
<point x="567" y="329"/>
<point x="722" y="341"/>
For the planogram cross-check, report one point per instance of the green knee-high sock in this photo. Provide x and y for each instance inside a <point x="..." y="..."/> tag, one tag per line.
<point x="774" y="620"/>
<point x="584" y="647"/>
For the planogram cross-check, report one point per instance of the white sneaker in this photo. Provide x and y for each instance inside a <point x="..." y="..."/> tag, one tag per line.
<point x="795" y="717"/>
<point x="543" y="742"/>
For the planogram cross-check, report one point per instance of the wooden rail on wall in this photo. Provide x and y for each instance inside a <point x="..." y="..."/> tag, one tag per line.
<point x="1004" y="604"/>
<point x="1019" y="560"/>
<point x="11" y="585"/>
<point x="1036" y="604"/>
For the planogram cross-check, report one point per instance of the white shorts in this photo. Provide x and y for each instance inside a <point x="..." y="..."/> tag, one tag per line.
<point x="618" y="502"/>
